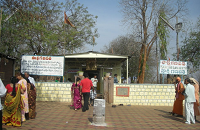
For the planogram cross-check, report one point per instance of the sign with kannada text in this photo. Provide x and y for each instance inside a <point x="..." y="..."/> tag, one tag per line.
<point x="42" y="65"/>
<point x="173" y="67"/>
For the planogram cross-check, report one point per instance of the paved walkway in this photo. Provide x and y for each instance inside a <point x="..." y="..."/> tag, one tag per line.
<point x="58" y="116"/>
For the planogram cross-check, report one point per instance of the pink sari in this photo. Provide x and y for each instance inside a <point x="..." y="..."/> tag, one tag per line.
<point x="24" y="96"/>
<point x="77" y="98"/>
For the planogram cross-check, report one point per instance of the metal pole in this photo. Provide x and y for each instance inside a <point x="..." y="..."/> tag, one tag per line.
<point x="177" y="47"/>
<point x="157" y="57"/>
<point x="64" y="39"/>
<point x="182" y="78"/>
<point x="64" y="52"/>
<point x="127" y="71"/>
<point x="163" y="78"/>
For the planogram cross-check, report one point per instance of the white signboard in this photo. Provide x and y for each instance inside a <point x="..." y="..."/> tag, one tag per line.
<point x="43" y="65"/>
<point x="173" y="67"/>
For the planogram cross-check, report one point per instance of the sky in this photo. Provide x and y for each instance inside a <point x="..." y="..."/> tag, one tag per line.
<point x="108" y="21"/>
<point x="110" y="26"/>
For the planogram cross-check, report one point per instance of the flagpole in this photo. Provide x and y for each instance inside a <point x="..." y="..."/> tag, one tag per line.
<point x="66" y="20"/>
<point x="64" y="39"/>
<point x="93" y="39"/>
<point x="64" y="49"/>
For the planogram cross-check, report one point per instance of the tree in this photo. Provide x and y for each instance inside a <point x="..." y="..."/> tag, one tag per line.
<point x="125" y="45"/>
<point x="85" y="30"/>
<point x="163" y="34"/>
<point x="140" y="14"/>
<point x="190" y="51"/>
<point x="30" y="27"/>
<point x="38" y="27"/>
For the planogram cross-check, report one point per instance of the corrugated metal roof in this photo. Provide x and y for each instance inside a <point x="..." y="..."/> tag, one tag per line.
<point x="92" y="54"/>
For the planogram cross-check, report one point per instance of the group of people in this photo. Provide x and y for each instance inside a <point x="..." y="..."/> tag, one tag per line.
<point x="20" y="100"/>
<point x="85" y="88"/>
<point x="191" y="95"/>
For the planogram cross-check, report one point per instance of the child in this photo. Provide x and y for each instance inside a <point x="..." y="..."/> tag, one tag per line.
<point x="92" y="96"/>
<point x="57" y="79"/>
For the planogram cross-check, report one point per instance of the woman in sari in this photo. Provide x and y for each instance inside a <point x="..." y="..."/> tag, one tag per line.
<point x="13" y="104"/>
<point x="77" y="98"/>
<point x="24" y="95"/>
<point x="31" y="99"/>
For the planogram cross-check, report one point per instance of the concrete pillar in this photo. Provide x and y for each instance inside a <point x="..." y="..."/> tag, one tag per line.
<point x="99" y="112"/>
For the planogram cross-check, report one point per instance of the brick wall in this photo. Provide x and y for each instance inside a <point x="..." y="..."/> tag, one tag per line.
<point x="53" y="91"/>
<point x="139" y="94"/>
<point x="146" y="94"/>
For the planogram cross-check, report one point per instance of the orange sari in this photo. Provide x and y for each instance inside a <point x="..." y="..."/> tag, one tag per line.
<point x="196" y="104"/>
<point x="178" y="103"/>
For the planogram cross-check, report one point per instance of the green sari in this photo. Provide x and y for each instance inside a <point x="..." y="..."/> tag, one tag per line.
<point x="12" y="109"/>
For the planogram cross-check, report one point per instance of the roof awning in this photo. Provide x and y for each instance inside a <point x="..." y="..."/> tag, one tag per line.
<point x="101" y="59"/>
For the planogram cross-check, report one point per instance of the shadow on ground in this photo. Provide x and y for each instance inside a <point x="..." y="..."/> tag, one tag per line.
<point x="90" y="120"/>
<point x="162" y="111"/>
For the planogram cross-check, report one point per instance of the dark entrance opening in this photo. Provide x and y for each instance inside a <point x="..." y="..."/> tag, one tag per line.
<point x="91" y="74"/>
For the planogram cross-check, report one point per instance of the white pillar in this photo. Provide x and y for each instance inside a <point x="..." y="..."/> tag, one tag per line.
<point x="127" y="71"/>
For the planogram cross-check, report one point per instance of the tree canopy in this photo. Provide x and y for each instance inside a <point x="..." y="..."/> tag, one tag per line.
<point x="37" y="27"/>
<point x="125" y="45"/>
<point x="190" y="51"/>
<point x="140" y="15"/>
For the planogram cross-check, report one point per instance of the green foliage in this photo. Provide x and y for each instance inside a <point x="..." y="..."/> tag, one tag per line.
<point x="190" y="51"/>
<point x="125" y="45"/>
<point x="38" y="27"/>
<point x="163" y="34"/>
<point x="84" y="23"/>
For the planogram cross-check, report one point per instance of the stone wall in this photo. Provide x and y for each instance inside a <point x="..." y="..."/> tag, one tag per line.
<point x="139" y="94"/>
<point x="146" y="94"/>
<point x="53" y="91"/>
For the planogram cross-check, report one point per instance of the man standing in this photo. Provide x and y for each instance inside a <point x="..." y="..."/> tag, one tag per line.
<point x="195" y="83"/>
<point x="178" y="103"/>
<point x="2" y="94"/>
<point x="125" y="80"/>
<point x="115" y="78"/>
<point x="31" y="79"/>
<point x="85" y="87"/>
<point x="94" y="82"/>
<point x="189" y="101"/>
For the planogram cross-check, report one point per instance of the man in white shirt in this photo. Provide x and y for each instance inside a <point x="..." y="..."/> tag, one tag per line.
<point x="94" y="82"/>
<point x="31" y="79"/>
<point x="2" y="94"/>
<point x="189" y="101"/>
<point x="129" y="80"/>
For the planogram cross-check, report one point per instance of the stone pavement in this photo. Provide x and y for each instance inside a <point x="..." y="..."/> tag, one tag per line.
<point x="59" y="116"/>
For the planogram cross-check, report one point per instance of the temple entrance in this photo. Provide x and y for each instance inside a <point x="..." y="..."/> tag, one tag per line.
<point x="95" y="63"/>
<point x="91" y="74"/>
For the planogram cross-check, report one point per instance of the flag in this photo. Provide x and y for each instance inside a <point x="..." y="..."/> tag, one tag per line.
<point x="93" y="40"/>
<point x="66" y="20"/>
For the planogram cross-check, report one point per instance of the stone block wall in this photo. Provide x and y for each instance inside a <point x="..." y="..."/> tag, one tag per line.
<point x="53" y="91"/>
<point x="146" y="94"/>
<point x="139" y="94"/>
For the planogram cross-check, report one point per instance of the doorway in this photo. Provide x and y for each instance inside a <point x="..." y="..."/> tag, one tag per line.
<point x="91" y="74"/>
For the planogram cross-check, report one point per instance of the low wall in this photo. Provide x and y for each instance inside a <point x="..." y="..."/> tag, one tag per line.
<point x="133" y="94"/>
<point x="145" y="94"/>
<point x="53" y="91"/>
